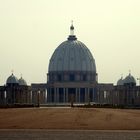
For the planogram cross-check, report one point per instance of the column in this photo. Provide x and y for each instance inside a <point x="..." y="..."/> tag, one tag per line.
<point x="55" y="93"/>
<point x="50" y="100"/>
<point x="79" y="95"/>
<point x="76" y="100"/>
<point x="93" y="96"/>
<point x="50" y="95"/>
<point x="88" y="96"/>
<point x="64" y="96"/>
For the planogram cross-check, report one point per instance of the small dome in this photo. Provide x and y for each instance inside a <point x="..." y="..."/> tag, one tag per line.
<point x="129" y="79"/>
<point x="120" y="82"/>
<point x="22" y="82"/>
<point x="12" y="80"/>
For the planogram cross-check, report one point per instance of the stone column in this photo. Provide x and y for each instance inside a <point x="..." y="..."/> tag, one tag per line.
<point x="31" y="97"/>
<point x="49" y="94"/>
<point x="88" y="96"/>
<point x="55" y="93"/>
<point x="76" y="97"/>
<point x="97" y="96"/>
<point x="79" y="95"/>
<point x="64" y="96"/>
<point x="13" y="102"/>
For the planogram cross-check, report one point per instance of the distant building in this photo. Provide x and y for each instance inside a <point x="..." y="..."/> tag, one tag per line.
<point x="71" y="77"/>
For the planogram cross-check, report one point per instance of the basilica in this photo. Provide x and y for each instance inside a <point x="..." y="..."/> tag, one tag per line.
<point x="71" y="78"/>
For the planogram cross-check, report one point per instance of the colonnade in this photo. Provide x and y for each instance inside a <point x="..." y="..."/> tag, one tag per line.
<point x="66" y="95"/>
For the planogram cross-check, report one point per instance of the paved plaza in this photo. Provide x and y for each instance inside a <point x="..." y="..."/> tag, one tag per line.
<point x="38" y="134"/>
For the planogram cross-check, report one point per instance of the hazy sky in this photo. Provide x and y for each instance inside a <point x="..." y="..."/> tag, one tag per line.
<point x="30" y="30"/>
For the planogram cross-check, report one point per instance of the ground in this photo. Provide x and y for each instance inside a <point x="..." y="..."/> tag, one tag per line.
<point x="70" y="118"/>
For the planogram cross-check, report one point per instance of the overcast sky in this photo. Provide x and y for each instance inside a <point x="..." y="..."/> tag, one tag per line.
<point x="30" y="30"/>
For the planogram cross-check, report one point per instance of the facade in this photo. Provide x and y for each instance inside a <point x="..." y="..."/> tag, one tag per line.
<point x="71" y="78"/>
<point x="72" y="73"/>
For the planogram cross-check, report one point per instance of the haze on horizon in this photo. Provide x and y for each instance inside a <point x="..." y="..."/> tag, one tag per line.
<point x="30" y="31"/>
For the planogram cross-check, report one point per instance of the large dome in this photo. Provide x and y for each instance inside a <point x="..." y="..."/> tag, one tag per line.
<point x="72" y="55"/>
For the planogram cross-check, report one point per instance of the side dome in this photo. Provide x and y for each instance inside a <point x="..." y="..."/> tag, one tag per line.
<point x="22" y="82"/>
<point x="12" y="80"/>
<point x="130" y="80"/>
<point x="120" y="82"/>
<point x="72" y="55"/>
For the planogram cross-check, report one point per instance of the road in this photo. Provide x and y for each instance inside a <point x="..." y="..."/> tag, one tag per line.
<point x="43" y="134"/>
